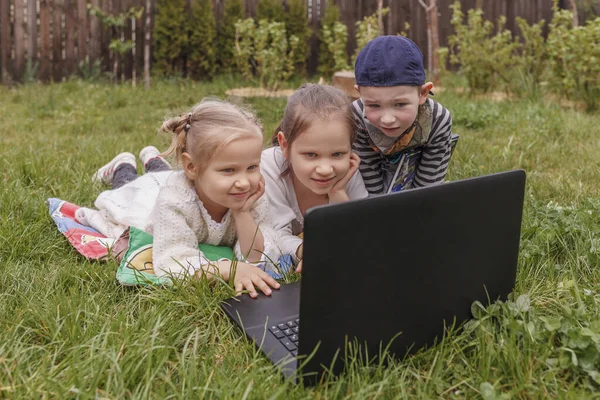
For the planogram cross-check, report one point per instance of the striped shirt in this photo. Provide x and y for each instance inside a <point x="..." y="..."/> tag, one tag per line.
<point x="378" y="169"/>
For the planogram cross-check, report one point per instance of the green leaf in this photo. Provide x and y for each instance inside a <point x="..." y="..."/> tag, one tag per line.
<point x="551" y="323"/>
<point x="477" y="310"/>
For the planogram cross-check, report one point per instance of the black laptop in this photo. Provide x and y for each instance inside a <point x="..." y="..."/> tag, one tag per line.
<point x="392" y="270"/>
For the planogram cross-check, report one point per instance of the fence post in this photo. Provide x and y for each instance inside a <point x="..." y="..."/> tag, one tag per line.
<point x="5" y="45"/>
<point x="32" y="33"/>
<point x="45" y="40"/>
<point x="82" y="31"/>
<point x="19" y="37"/>
<point x="57" y="62"/>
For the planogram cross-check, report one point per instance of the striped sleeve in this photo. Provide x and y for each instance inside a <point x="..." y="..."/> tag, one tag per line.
<point x="436" y="154"/>
<point x="370" y="161"/>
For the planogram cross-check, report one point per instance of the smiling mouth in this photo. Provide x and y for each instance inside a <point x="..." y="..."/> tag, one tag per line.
<point x="323" y="181"/>
<point x="239" y="195"/>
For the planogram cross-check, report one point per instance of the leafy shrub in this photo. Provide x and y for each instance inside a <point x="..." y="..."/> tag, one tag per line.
<point x="271" y="10"/>
<point x="296" y="24"/>
<point x="366" y="30"/>
<point x="484" y="58"/>
<point x="245" y="31"/>
<point x="184" y="40"/>
<point x="531" y="62"/>
<point x="170" y="36"/>
<point x="327" y="49"/>
<point x="201" y="44"/>
<point x="265" y="51"/>
<point x="335" y="38"/>
<point x="574" y="56"/>
<point x="232" y="12"/>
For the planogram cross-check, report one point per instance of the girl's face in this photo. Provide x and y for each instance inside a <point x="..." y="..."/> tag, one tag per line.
<point x="320" y="156"/>
<point x="231" y="176"/>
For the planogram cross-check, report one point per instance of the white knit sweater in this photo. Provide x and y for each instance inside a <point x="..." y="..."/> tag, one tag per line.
<point x="165" y="204"/>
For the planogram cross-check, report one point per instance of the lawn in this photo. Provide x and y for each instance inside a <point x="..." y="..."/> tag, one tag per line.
<point x="67" y="330"/>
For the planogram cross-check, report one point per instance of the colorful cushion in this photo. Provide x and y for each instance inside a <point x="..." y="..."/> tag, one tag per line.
<point x="136" y="265"/>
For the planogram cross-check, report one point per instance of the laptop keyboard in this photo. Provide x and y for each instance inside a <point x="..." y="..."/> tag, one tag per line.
<point x="287" y="334"/>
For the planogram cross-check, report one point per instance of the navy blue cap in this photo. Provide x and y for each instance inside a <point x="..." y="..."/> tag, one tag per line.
<point x="390" y="61"/>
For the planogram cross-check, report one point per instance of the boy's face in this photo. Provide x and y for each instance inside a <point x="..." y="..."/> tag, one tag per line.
<point x="393" y="109"/>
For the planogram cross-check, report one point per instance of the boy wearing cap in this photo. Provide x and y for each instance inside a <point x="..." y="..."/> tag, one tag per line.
<point x="403" y="137"/>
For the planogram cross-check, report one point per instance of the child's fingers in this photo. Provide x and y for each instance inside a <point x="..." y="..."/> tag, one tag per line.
<point x="262" y="285"/>
<point x="250" y="287"/>
<point x="268" y="279"/>
<point x="299" y="267"/>
<point x="238" y="288"/>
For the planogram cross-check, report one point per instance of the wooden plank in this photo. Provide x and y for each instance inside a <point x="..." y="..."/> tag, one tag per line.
<point x="45" y="40"/>
<point x="147" y="38"/>
<point x="117" y="8"/>
<point x="312" y="62"/>
<point x="82" y="30"/>
<point x="19" y="37"/>
<point x="95" y="35"/>
<point x="31" y="31"/>
<point x="57" y="62"/>
<point x="106" y="6"/>
<point x="139" y="42"/>
<point x="5" y="42"/>
<point x="127" y="33"/>
<point x="70" y="24"/>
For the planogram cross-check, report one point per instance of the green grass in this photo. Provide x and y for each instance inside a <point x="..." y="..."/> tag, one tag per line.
<point x="67" y="330"/>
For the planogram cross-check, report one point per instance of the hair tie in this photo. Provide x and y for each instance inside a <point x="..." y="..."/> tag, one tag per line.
<point x="188" y="125"/>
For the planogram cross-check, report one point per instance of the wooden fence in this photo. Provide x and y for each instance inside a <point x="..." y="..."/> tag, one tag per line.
<point x="53" y="39"/>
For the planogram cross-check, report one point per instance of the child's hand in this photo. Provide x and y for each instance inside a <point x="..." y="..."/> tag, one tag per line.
<point x="340" y="186"/>
<point x="248" y="277"/>
<point x="253" y="198"/>
<point x="299" y="253"/>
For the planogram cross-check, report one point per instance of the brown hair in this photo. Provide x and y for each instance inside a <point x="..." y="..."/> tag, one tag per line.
<point x="207" y="128"/>
<point x="310" y="102"/>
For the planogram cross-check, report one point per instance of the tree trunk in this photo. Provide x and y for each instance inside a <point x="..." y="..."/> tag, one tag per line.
<point x="573" y="6"/>
<point x="435" y="43"/>
<point x="380" y="17"/>
<point x="147" y="44"/>
<point x="115" y="67"/>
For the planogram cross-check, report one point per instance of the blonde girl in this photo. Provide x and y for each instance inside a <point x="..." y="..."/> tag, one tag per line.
<point x="215" y="198"/>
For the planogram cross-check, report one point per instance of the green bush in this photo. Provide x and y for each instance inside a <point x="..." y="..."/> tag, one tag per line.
<point x="296" y="24"/>
<point x="366" y="30"/>
<point x="271" y="10"/>
<point x="201" y="45"/>
<point x="265" y="51"/>
<point x="232" y="12"/>
<point x="574" y="55"/>
<point x="184" y="40"/>
<point x="170" y="36"/>
<point x="335" y="38"/>
<point x="327" y="57"/>
<point x="531" y="61"/>
<point x="245" y="31"/>
<point x="484" y="58"/>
